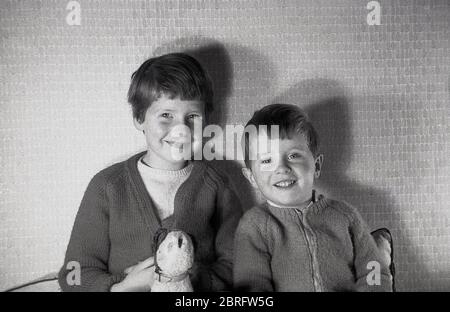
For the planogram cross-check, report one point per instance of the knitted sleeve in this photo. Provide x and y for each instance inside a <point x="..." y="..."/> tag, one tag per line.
<point x="89" y="244"/>
<point x="218" y="275"/>
<point x="252" y="270"/>
<point x="371" y="273"/>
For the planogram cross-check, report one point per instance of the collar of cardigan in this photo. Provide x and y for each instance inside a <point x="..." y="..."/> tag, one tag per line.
<point x="312" y="201"/>
<point x="163" y="278"/>
<point x="314" y="207"/>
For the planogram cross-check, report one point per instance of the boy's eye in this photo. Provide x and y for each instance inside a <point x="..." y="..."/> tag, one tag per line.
<point x="166" y="115"/>
<point x="294" y="156"/>
<point x="266" y="161"/>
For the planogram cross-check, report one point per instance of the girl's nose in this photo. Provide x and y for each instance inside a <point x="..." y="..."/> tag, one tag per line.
<point x="180" y="131"/>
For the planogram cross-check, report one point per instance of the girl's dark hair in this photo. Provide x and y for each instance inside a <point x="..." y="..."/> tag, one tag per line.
<point x="290" y="119"/>
<point x="173" y="75"/>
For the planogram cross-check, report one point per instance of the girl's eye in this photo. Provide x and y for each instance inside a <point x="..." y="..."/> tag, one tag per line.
<point x="266" y="161"/>
<point x="294" y="156"/>
<point x="193" y="116"/>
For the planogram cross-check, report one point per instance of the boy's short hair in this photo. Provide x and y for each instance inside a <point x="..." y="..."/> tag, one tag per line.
<point x="290" y="119"/>
<point x="174" y="75"/>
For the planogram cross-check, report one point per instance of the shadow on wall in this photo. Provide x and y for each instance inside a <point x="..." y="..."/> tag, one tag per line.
<point x="328" y="106"/>
<point x="254" y="72"/>
<point x="215" y="59"/>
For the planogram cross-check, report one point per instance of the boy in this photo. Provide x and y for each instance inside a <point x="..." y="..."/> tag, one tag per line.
<point x="297" y="241"/>
<point x="125" y="204"/>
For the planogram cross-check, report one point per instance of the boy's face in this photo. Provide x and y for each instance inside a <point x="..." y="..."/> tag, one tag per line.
<point x="169" y="131"/>
<point x="285" y="176"/>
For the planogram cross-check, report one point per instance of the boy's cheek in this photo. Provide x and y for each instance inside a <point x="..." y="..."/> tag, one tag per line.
<point x="266" y="167"/>
<point x="262" y="180"/>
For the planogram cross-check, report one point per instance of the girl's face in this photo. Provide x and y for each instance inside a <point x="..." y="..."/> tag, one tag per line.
<point x="285" y="176"/>
<point x="169" y="131"/>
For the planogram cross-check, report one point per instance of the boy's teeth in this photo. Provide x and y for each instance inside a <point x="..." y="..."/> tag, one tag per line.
<point x="285" y="183"/>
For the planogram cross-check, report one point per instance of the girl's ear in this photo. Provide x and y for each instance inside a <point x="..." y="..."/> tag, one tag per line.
<point x="318" y="166"/>
<point x="248" y="174"/>
<point x="138" y="125"/>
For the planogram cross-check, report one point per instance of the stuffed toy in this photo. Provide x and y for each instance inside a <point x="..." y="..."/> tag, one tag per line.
<point x="383" y="239"/>
<point x="174" y="257"/>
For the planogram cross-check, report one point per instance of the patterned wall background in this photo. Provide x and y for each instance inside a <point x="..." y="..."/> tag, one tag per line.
<point x="379" y="95"/>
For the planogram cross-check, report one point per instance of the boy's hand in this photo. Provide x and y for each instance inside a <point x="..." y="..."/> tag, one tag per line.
<point x="139" y="277"/>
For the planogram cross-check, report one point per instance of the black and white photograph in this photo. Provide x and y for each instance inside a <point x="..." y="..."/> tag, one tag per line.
<point x="224" y="147"/>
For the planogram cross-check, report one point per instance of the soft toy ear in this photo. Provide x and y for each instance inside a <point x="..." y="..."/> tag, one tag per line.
<point x="194" y="241"/>
<point x="159" y="236"/>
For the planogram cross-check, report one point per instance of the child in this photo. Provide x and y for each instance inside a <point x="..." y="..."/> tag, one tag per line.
<point x="297" y="241"/>
<point x="125" y="204"/>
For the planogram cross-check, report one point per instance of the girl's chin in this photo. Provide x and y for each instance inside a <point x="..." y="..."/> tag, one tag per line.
<point x="165" y="162"/>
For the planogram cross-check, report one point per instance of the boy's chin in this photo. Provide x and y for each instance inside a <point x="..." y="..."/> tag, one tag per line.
<point x="291" y="202"/>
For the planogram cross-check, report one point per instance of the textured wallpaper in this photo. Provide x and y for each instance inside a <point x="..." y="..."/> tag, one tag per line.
<point x="376" y="86"/>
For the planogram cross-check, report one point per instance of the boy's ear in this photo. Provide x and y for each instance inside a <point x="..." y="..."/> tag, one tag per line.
<point x="318" y="165"/>
<point x="249" y="176"/>
<point x="138" y="125"/>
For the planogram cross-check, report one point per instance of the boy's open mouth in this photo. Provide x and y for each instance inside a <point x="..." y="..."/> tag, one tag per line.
<point x="285" y="183"/>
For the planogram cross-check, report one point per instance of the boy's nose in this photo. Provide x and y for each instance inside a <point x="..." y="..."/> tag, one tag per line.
<point x="282" y="168"/>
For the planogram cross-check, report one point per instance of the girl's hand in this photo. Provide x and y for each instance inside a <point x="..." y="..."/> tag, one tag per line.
<point x="139" y="277"/>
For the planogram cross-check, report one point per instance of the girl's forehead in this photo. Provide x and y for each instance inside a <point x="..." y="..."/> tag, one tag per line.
<point x="176" y="104"/>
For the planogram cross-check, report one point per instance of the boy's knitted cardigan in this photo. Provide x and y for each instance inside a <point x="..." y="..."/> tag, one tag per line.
<point x="326" y="247"/>
<point x="116" y="221"/>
